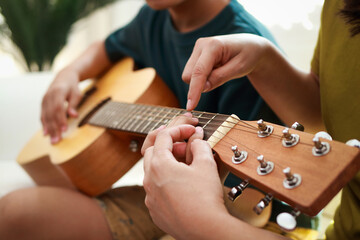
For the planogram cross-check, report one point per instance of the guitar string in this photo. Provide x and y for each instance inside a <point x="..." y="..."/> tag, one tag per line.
<point x="240" y="123"/>
<point x="151" y="108"/>
<point x="254" y="153"/>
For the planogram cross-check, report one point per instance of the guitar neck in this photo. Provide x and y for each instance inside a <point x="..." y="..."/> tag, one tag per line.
<point x="142" y="119"/>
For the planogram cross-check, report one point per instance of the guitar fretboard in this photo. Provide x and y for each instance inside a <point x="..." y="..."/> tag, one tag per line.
<point x="142" y="119"/>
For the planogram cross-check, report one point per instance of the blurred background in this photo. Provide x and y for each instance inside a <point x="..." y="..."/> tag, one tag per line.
<point x="30" y="57"/>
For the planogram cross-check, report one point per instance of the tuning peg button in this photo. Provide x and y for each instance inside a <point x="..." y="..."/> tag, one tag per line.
<point x="324" y="135"/>
<point x="287" y="221"/>
<point x="298" y="126"/>
<point x="353" y="143"/>
<point x="263" y="203"/>
<point x="237" y="191"/>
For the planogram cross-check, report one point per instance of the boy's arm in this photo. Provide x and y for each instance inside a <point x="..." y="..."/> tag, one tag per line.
<point x="64" y="88"/>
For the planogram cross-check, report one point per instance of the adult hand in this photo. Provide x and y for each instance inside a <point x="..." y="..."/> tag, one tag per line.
<point x="64" y="89"/>
<point x="182" y="198"/>
<point x="181" y="150"/>
<point x="216" y="60"/>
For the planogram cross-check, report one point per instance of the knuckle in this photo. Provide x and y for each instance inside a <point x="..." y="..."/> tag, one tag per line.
<point x="199" y="70"/>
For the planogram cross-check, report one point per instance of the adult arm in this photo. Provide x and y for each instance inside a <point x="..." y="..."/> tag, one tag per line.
<point x="64" y="89"/>
<point x="291" y="93"/>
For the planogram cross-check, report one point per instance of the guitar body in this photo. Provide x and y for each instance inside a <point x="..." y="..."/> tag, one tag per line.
<point x="90" y="158"/>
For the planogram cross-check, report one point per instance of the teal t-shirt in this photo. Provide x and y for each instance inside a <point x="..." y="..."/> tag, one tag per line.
<point x="152" y="41"/>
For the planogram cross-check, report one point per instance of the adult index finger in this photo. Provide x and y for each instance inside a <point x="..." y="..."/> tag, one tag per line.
<point x="199" y="76"/>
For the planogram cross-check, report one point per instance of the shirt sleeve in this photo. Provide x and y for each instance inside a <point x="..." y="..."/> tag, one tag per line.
<point x="124" y="41"/>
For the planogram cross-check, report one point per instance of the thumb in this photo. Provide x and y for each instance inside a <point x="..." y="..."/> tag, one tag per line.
<point x="73" y="101"/>
<point x="199" y="134"/>
<point x="202" y="155"/>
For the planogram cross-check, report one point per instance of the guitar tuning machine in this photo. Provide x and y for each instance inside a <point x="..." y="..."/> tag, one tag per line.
<point x="288" y="139"/>
<point x="298" y="126"/>
<point x="320" y="148"/>
<point x="239" y="156"/>
<point x="237" y="191"/>
<point x="263" y="203"/>
<point x="292" y="180"/>
<point x="265" y="167"/>
<point x="353" y="143"/>
<point x="287" y="221"/>
<point x="264" y="130"/>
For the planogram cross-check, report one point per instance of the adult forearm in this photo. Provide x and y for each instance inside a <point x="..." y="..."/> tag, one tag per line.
<point x="293" y="94"/>
<point x="92" y="62"/>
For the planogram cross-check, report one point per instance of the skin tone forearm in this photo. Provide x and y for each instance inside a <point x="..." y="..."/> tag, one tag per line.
<point x="291" y="93"/>
<point x="65" y="88"/>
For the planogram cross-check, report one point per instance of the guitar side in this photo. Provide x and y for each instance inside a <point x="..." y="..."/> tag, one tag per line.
<point x="90" y="158"/>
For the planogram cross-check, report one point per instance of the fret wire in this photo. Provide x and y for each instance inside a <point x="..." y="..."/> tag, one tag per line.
<point x="144" y="118"/>
<point x="138" y="109"/>
<point x="209" y="121"/>
<point x="115" y="122"/>
<point x="176" y="114"/>
<point x="150" y="120"/>
<point x="127" y="116"/>
<point x="158" y="122"/>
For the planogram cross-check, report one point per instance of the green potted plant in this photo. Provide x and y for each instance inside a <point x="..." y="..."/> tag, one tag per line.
<point x="39" y="28"/>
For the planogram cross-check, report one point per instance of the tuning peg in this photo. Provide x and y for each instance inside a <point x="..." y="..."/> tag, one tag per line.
<point x="237" y="191"/>
<point x="292" y="180"/>
<point x="288" y="139"/>
<point x="353" y="143"/>
<point x="320" y="148"/>
<point x="264" y="130"/>
<point x="263" y="203"/>
<point x="265" y="167"/>
<point x="323" y="135"/>
<point x="287" y="221"/>
<point x="298" y="126"/>
<point x="239" y="156"/>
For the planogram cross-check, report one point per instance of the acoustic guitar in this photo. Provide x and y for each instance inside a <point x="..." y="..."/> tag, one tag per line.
<point x="104" y="142"/>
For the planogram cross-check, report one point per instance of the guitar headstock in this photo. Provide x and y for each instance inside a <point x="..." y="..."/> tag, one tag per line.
<point x="301" y="169"/>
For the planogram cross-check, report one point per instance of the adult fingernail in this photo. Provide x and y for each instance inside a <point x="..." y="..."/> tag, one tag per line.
<point x="161" y="127"/>
<point x="207" y="86"/>
<point x="188" y="104"/>
<point x="54" y="139"/>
